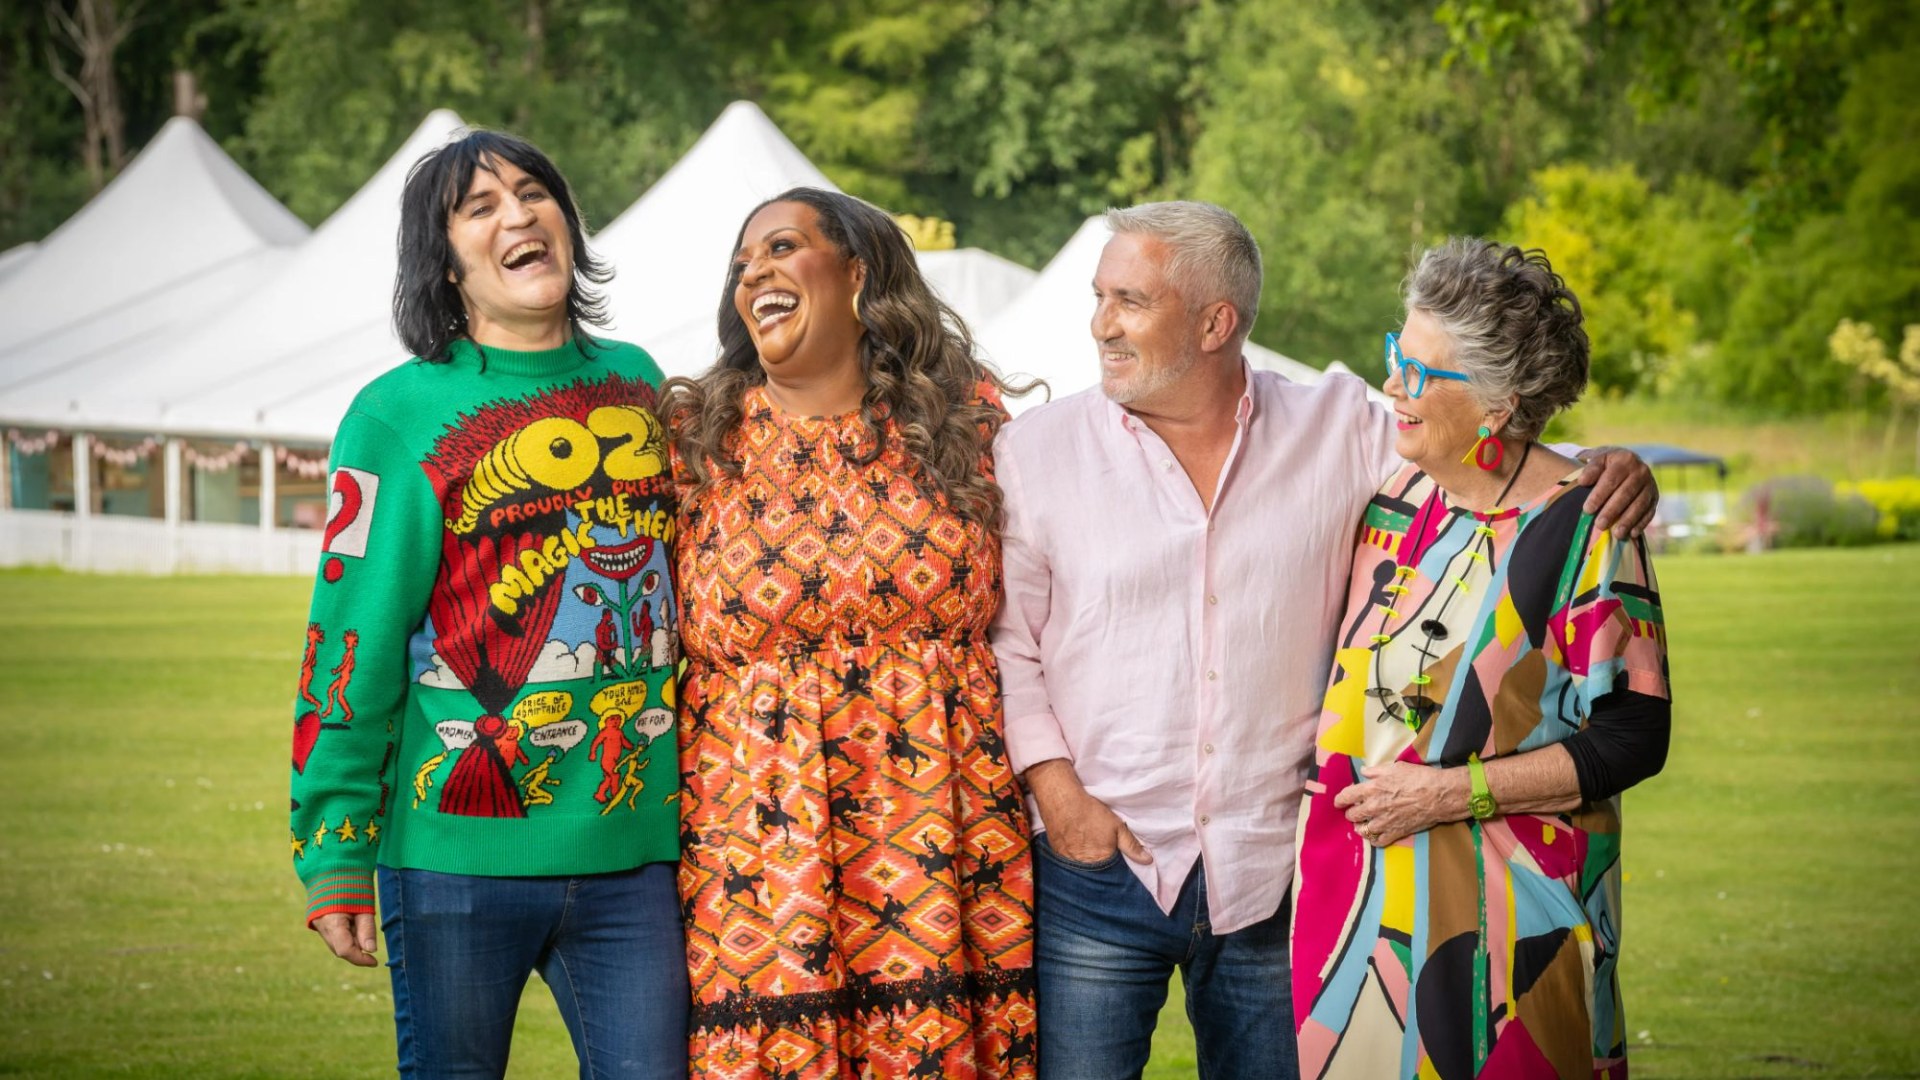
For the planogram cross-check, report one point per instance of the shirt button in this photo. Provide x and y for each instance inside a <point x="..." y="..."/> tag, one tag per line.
<point x="1208" y="748"/>
<point x="1212" y="599"/>
<point x="1205" y="820"/>
<point x="1166" y="463"/>
<point x="1211" y="676"/>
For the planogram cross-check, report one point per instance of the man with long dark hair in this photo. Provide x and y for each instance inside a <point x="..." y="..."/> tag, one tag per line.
<point x="486" y="495"/>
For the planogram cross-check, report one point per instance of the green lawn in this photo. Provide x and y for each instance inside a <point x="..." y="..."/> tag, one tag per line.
<point x="153" y="924"/>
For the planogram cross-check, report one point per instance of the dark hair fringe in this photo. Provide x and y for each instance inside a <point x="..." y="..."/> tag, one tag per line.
<point x="428" y="314"/>
<point x="917" y="355"/>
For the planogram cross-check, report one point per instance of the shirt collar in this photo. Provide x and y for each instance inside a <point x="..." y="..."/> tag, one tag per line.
<point x="1242" y="412"/>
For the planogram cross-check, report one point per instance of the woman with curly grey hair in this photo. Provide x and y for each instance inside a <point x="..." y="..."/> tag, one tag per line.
<point x="1500" y="679"/>
<point x="854" y="850"/>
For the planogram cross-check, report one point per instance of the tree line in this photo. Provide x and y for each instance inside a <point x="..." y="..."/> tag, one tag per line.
<point x="1721" y="181"/>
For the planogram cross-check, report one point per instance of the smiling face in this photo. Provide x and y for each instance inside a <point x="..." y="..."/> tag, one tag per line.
<point x="1149" y="341"/>
<point x="513" y="260"/>
<point x="794" y="289"/>
<point x="1438" y="427"/>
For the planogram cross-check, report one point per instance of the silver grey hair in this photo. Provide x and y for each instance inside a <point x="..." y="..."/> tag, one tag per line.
<point x="1515" y="326"/>
<point x="1213" y="256"/>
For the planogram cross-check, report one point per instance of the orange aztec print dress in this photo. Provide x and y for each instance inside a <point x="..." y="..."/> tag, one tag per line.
<point x="854" y="857"/>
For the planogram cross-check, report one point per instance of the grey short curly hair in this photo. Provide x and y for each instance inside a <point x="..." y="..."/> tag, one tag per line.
<point x="1211" y="255"/>
<point x="1516" y="327"/>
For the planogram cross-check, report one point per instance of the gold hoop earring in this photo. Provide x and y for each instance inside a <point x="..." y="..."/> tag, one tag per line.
<point x="856" y="306"/>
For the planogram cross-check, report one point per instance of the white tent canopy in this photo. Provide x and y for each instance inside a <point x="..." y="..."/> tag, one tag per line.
<point x="1045" y="332"/>
<point x="976" y="284"/>
<point x="233" y="334"/>
<point x="16" y="256"/>
<point x="175" y="238"/>
<point x="670" y="248"/>
<point x="296" y="342"/>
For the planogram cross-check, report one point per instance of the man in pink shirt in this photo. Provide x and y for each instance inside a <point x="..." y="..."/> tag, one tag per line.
<point x="1177" y="547"/>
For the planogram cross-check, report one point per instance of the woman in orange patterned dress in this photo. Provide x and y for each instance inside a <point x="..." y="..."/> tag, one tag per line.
<point x="854" y="864"/>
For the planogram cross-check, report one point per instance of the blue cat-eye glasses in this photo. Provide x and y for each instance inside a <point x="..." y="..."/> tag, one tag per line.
<point x="1414" y="373"/>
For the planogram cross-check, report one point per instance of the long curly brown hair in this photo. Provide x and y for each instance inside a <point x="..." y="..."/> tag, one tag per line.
<point x="917" y="355"/>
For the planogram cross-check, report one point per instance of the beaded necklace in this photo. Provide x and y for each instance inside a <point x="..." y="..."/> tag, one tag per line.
<point x="1419" y="706"/>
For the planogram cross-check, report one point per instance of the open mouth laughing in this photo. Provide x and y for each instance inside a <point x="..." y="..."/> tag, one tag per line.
<point x="527" y="255"/>
<point x="772" y="306"/>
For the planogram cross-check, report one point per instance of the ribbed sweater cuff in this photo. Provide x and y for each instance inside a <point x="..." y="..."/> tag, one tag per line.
<point x="348" y="892"/>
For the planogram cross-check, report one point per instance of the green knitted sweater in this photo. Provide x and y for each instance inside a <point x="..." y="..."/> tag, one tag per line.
<point x="487" y="686"/>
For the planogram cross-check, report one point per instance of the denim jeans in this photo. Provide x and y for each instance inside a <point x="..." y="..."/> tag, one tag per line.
<point x="1104" y="953"/>
<point x="610" y="947"/>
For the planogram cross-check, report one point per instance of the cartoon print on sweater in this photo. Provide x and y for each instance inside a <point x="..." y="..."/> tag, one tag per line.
<point x="350" y="501"/>
<point x="342" y="676"/>
<point x="306" y="727"/>
<point x="622" y="759"/>
<point x="552" y="504"/>
<point x="310" y="662"/>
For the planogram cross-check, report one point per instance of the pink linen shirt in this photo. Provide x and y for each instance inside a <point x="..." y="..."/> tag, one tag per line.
<point x="1176" y="657"/>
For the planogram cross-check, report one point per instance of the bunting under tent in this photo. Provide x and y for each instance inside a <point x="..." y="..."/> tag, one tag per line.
<point x="1045" y="333"/>
<point x="176" y="356"/>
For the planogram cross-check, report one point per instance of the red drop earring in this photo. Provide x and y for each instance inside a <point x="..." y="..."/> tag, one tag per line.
<point x="1479" y="453"/>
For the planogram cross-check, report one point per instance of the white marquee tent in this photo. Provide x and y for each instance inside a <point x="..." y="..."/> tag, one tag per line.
<point x="321" y="321"/>
<point x="173" y="239"/>
<point x="670" y="248"/>
<point x="13" y="257"/>
<point x="185" y="302"/>
<point x="1045" y="333"/>
<point x="976" y="284"/>
<point x="283" y="360"/>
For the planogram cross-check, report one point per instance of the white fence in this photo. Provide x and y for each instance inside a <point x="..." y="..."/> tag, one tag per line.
<point x="130" y="545"/>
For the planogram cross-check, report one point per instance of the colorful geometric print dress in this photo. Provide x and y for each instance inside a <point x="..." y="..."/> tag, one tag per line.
<point x="854" y="850"/>
<point x="1475" y="949"/>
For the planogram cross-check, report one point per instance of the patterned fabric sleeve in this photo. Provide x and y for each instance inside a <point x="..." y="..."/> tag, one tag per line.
<point x="987" y="394"/>
<point x="377" y="565"/>
<point x="1610" y="619"/>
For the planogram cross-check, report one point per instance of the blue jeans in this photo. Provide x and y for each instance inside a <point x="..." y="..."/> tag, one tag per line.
<point x="1104" y="954"/>
<point x="610" y="947"/>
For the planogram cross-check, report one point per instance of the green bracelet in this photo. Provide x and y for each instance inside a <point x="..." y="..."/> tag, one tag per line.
<point x="1481" y="801"/>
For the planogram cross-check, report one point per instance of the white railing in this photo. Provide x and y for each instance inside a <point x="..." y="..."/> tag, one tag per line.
<point x="131" y="545"/>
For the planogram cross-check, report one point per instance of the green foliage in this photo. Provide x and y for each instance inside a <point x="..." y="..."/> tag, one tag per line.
<point x="41" y="183"/>
<point x="1853" y="262"/>
<point x="1331" y="138"/>
<point x="1599" y="227"/>
<point x="1056" y="109"/>
<point x="1721" y="181"/>
<point x="40" y="179"/>
<point x="565" y="73"/>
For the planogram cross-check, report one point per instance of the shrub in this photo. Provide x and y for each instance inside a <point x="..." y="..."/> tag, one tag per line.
<point x="1805" y="511"/>
<point x="1898" y="502"/>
